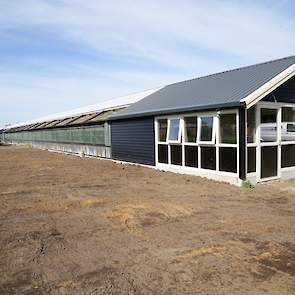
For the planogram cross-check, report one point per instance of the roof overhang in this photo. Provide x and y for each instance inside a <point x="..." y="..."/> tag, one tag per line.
<point x="155" y="113"/>
<point x="268" y="87"/>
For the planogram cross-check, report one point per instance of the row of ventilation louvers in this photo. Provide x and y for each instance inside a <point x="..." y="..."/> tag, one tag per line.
<point x="83" y="129"/>
<point x="87" y="119"/>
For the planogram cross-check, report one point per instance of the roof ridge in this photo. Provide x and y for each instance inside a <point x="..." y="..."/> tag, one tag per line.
<point x="235" y="69"/>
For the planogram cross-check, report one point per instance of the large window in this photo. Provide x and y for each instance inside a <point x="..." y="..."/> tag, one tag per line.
<point x="276" y="138"/>
<point x="269" y="161"/>
<point x="207" y="129"/>
<point x="268" y="127"/>
<point x="288" y="114"/>
<point x="191" y="128"/>
<point x="228" y="128"/>
<point x="191" y="156"/>
<point x="163" y="153"/>
<point x="288" y="124"/>
<point x="174" y="130"/>
<point x="207" y="136"/>
<point x="176" y="154"/>
<point x="228" y="159"/>
<point x="162" y="127"/>
<point x="251" y="124"/>
<point x="251" y="159"/>
<point x="208" y="157"/>
<point x="288" y="155"/>
<point x="189" y="140"/>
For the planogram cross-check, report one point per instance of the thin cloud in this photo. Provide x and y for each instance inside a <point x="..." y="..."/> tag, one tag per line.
<point x="125" y="46"/>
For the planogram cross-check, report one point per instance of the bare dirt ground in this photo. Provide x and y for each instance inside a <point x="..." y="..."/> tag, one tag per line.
<point x="85" y="226"/>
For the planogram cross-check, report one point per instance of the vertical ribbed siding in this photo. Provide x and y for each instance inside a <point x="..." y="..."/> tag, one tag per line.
<point x="133" y="140"/>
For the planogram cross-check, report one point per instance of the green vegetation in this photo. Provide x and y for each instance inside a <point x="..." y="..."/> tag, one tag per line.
<point x="248" y="184"/>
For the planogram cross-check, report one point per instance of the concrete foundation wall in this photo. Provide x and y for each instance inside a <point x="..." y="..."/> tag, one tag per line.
<point x="81" y="149"/>
<point x="285" y="174"/>
<point x="288" y="173"/>
<point x="210" y="174"/>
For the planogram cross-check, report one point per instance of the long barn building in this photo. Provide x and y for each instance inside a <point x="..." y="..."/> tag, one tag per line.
<point x="84" y="131"/>
<point x="232" y="126"/>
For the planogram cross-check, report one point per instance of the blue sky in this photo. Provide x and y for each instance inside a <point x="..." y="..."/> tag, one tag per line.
<point x="61" y="54"/>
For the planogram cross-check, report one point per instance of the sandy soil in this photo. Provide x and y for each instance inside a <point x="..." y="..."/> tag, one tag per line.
<point x="85" y="226"/>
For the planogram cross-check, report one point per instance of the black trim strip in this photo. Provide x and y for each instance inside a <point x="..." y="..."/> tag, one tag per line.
<point x="242" y="142"/>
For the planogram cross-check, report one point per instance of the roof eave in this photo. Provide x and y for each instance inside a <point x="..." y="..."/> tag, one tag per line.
<point x="268" y="87"/>
<point x="177" y="110"/>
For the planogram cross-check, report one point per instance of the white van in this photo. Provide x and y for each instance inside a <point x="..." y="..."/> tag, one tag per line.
<point x="268" y="132"/>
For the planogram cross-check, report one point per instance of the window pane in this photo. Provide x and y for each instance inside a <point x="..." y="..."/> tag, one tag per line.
<point x="176" y="154"/>
<point x="206" y="128"/>
<point x="191" y="156"/>
<point x="269" y="161"/>
<point x="288" y="124"/>
<point x="251" y="159"/>
<point x="288" y="155"/>
<point x="228" y="128"/>
<point x="228" y="159"/>
<point x="190" y="124"/>
<point x="288" y="115"/>
<point x="251" y="124"/>
<point x="268" y="129"/>
<point x="174" y="129"/>
<point x="163" y="153"/>
<point x="208" y="158"/>
<point x="162" y="124"/>
<point x="268" y="115"/>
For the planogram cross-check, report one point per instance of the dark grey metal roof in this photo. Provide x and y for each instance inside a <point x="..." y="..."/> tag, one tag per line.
<point x="219" y="90"/>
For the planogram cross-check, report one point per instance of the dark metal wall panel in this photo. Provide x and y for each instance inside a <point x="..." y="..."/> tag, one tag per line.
<point x="133" y="140"/>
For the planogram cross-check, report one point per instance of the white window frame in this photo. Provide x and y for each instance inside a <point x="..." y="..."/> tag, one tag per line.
<point x="258" y="144"/>
<point x="285" y="142"/>
<point x="184" y="130"/>
<point x="198" y="170"/>
<point x="277" y="143"/>
<point x="218" y="141"/>
<point x="157" y="130"/>
<point x="254" y="143"/>
<point x="278" y="124"/>
<point x="179" y="130"/>
<point x="214" y="127"/>
<point x="230" y="145"/>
